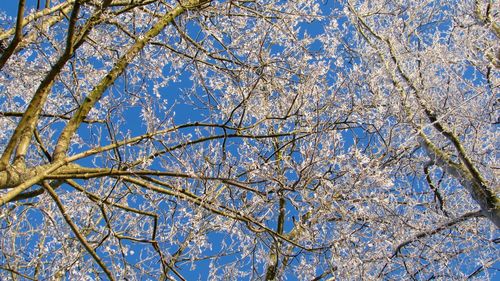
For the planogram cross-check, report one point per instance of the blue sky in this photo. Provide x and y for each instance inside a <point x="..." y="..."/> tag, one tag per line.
<point x="10" y="8"/>
<point x="134" y="123"/>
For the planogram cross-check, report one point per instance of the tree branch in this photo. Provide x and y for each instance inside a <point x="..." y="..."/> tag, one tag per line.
<point x="18" y="35"/>
<point x="437" y="229"/>
<point x="75" y="230"/>
<point x="62" y="145"/>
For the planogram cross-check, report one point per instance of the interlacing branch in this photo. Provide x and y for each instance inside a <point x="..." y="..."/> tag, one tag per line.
<point x="465" y="170"/>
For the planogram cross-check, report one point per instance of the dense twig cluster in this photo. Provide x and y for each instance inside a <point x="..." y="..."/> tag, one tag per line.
<point x="251" y="139"/>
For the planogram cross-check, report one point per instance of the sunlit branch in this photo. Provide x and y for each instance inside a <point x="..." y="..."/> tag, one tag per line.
<point x="18" y="35"/>
<point x="151" y="135"/>
<point x="31" y="194"/>
<point x="224" y="211"/>
<point x="24" y="130"/>
<point x="26" y="180"/>
<point x="249" y="139"/>
<point x="37" y="15"/>
<point x="466" y="172"/>
<point x="30" y="124"/>
<point x="64" y="139"/>
<point x="436" y="230"/>
<point x="88" y="173"/>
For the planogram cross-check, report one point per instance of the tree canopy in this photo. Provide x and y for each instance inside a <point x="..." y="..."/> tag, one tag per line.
<point x="249" y="139"/>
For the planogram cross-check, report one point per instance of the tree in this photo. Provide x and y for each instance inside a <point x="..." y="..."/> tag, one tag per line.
<point x="249" y="139"/>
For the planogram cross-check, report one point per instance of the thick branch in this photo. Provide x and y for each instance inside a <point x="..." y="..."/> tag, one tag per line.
<point x="26" y="126"/>
<point x="487" y="200"/>
<point x="23" y="179"/>
<point x="24" y="130"/>
<point x="62" y="145"/>
<point x="32" y="17"/>
<point x="17" y="36"/>
<point x="465" y="172"/>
